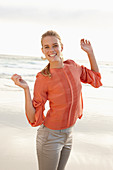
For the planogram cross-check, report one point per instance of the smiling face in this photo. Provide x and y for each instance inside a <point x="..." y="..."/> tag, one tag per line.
<point x="52" y="48"/>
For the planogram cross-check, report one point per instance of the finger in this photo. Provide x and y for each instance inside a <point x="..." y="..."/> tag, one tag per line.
<point x="89" y="42"/>
<point x="86" y="41"/>
<point x="82" y="40"/>
<point x="16" y="76"/>
<point x="13" y="76"/>
<point x="18" y="81"/>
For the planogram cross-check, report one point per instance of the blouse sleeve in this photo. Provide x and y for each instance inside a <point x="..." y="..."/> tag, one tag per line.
<point x="39" y="99"/>
<point x="90" y="77"/>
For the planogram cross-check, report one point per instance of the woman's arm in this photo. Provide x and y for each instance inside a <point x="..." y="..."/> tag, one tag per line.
<point x="29" y="109"/>
<point x="86" y="46"/>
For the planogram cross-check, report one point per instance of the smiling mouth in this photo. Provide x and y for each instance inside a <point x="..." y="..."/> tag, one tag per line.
<point x="52" y="55"/>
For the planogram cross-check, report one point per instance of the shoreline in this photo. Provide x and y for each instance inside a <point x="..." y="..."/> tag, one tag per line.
<point x="105" y="62"/>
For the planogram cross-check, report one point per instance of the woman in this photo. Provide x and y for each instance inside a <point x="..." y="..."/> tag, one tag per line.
<point x="60" y="83"/>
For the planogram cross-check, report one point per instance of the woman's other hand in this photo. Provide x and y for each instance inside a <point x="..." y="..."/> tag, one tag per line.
<point x="19" y="81"/>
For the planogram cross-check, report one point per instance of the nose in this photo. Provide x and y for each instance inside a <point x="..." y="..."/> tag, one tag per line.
<point x="51" y="49"/>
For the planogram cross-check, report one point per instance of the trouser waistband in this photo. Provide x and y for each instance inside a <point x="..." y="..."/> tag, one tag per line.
<point x="62" y="130"/>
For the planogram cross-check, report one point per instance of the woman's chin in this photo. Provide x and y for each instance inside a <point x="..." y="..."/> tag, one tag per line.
<point x="56" y="58"/>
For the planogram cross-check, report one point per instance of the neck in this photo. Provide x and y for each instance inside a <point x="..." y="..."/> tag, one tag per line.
<point x="57" y="64"/>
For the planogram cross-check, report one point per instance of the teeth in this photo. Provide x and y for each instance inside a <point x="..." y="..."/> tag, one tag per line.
<point x="52" y="55"/>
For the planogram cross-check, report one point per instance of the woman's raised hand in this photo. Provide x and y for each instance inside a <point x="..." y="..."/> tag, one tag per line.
<point x="19" y="81"/>
<point x="86" y="46"/>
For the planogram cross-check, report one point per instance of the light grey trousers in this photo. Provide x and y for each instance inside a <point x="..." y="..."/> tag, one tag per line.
<point x="53" y="148"/>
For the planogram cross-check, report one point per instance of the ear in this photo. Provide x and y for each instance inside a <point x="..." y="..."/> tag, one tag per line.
<point x="42" y="50"/>
<point x="61" y="47"/>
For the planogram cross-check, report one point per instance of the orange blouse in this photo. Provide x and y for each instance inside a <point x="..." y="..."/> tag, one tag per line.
<point x="64" y="92"/>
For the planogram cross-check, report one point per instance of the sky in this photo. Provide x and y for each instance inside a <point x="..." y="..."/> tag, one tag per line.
<point x="23" y="21"/>
<point x="105" y="5"/>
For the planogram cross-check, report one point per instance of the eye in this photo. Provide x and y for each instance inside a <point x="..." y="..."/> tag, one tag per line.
<point x="46" y="47"/>
<point x="56" y="45"/>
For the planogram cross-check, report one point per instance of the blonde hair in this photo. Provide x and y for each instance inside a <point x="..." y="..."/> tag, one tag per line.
<point x="46" y="70"/>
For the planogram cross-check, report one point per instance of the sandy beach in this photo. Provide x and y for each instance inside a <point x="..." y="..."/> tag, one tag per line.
<point x="92" y="135"/>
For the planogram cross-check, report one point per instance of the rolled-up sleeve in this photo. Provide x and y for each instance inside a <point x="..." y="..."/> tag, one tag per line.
<point x="91" y="77"/>
<point x="39" y="99"/>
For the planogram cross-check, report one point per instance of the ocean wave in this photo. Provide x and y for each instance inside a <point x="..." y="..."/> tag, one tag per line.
<point x="7" y="76"/>
<point x="19" y="57"/>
